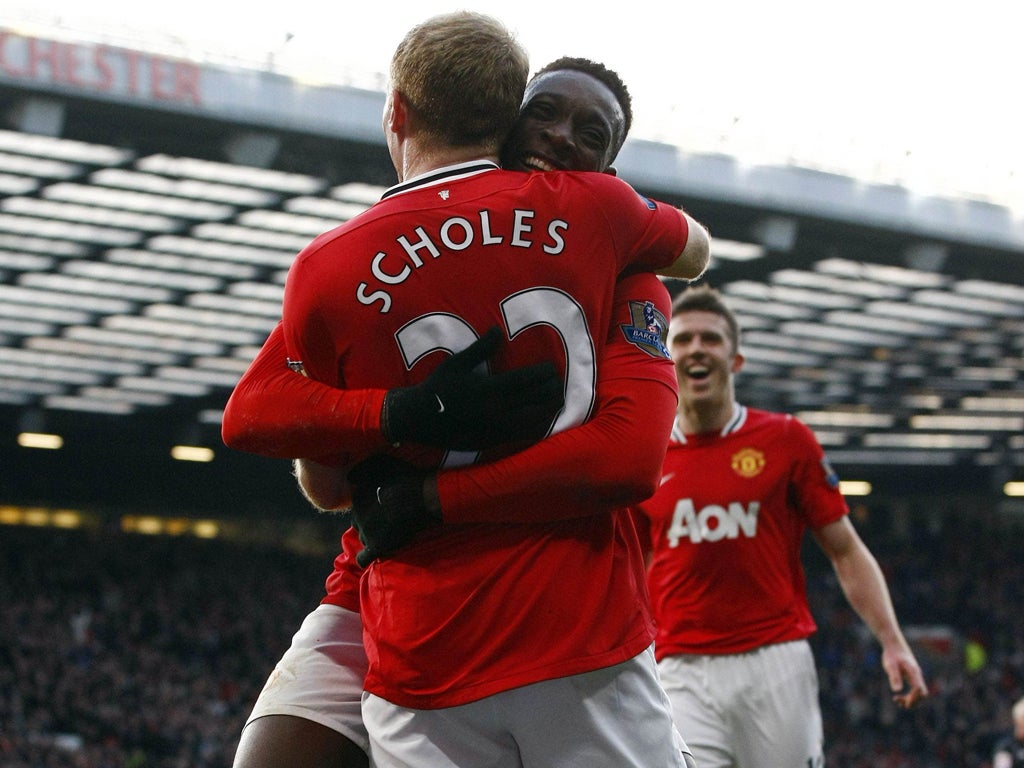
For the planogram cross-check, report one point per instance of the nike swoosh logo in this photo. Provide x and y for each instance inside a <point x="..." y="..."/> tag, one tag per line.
<point x="666" y="478"/>
<point x="440" y="405"/>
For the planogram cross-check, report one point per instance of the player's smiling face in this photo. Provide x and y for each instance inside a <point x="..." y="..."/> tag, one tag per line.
<point x="703" y="355"/>
<point x="570" y="121"/>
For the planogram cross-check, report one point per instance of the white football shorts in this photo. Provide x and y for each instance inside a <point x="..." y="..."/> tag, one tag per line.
<point x="617" y="717"/>
<point x="320" y="677"/>
<point x="756" y="710"/>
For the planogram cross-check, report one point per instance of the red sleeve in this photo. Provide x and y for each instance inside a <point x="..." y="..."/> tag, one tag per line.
<point x="643" y="529"/>
<point x="649" y="234"/>
<point x="276" y="412"/>
<point x="815" y="485"/>
<point x="613" y="460"/>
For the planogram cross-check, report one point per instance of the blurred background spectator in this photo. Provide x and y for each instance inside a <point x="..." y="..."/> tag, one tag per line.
<point x="140" y="651"/>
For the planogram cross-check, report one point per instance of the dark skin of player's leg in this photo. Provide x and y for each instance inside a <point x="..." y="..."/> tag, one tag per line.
<point x="276" y="740"/>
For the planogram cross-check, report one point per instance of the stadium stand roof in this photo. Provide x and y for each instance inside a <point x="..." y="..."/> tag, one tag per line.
<point x="150" y="208"/>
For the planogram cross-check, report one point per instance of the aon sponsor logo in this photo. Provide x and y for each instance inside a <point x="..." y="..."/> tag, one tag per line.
<point x="713" y="522"/>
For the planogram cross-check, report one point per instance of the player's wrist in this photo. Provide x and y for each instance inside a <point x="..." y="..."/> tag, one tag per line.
<point x="403" y="407"/>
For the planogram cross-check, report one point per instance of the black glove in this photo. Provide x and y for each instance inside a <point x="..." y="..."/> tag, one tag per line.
<point x="464" y="408"/>
<point x="387" y="506"/>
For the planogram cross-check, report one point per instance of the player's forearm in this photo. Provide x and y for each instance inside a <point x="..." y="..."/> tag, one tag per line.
<point x="694" y="258"/>
<point x="276" y="412"/>
<point x="613" y="460"/>
<point x="863" y="583"/>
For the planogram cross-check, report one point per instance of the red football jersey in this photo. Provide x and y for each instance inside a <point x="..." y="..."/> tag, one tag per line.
<point x="636" y="401"/>
<point x="440" y="260"/>
<point x="726" y="527"/>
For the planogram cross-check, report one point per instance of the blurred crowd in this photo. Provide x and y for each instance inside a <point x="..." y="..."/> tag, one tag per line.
<point x="121" y="650"/>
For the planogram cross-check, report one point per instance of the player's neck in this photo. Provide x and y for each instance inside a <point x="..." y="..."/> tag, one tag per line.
<point x="706" y="416"/>
<point x="416" y="159"/>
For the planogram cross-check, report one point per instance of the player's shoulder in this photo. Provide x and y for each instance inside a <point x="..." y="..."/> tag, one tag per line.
<point x="774" y="424"/>
<point x="590" y="183"/>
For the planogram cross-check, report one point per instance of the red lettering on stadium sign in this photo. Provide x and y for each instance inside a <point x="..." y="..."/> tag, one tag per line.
<point x="102" y="68"/>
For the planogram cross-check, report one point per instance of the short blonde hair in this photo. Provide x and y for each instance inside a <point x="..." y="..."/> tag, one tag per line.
<point x="463" y="75"/>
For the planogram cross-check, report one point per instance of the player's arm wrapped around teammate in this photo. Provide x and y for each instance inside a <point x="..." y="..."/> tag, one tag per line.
<point x="462" y="406"/>
<point x="388" y="507"/>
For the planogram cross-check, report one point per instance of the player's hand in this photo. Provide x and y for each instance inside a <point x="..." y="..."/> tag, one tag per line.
<point x="463" y="407"/>
<point x="905" y="677"/>
<point x="388" y="509"/>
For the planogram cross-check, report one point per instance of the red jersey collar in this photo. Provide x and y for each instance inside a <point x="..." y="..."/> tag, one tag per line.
<point x="739" y="418"/>
<point x="444" y="173"/>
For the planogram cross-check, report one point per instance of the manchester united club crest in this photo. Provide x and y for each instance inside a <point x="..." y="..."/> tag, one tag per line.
<point x="748" y="462"/>
<point x="648" y="328"/>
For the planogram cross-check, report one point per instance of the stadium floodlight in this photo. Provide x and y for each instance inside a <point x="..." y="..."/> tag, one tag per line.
<point x="192" y="453"/>
<point x="965" y="303"/>
<point x="322" y="208"/>
<point x="39" y="361"/>
<point x="831" y="437"/>
<point x="185" y="189"/>
<point x="199" y="247"/>
<point x="89" y="214"/>
<point x="11" y="185"/>
<point x="90" y="234"/>
<point x="76" y="348"/>
<point x="239" y="305"/>
<point x="734" y="250"/>
<point x="294" y="223"/>
<point x="25" y="262"/>
<point x="197" y="374"/>
<point x="62" y="149"/>
<point x="781" y="356"/>
<point x="52" y="248"/>
<point x="819" y="281"/>
<point x="855" y="487"/>
<point x="811" y="298"/>
<point x="233" y="320"/>
<point x="139" y="202"/>
<point x="943" y="316"/>
<point x="121" y="273"/>
<point x="358" y="192"/>
<point x="47" y="314"/>
<point x="840" y="418"/>
<point x="71" y="285"/>
<point x="120" y="394"/>
<point x="893" y="458"/>
<point x="20" y="295"/>
<point x="858" y="336"/>
<point x="892" y="325"/>
<point x="88" y="405"/>
<point x="170" y="387"/>
<point x="829" y="347"/>
<point x="752" y="299"/>
<point x="44" y="440"/>
<point x="882" y="273"/>
<point x="991" y="290"/>
<point x="185" y="330"/>
<point x="39" y="168"/>
<point x="172" y="262"/>
<point x="941" y="441"/>
<point x="245" y="176"/>
<point x="1000" y="402"/>
<point x="141" y="340"/>
<point x="968" y="423"/>
<point x="237" y="234"/>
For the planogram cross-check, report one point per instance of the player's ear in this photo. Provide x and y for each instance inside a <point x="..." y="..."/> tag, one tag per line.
<point x="611" y="170"/>
<point x="737" y="362"/>
<point x="395" y="112"/>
